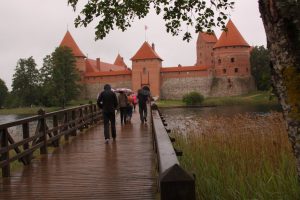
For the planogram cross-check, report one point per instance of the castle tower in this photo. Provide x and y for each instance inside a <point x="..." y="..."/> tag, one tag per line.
<point x="146" y="66"/>
<point x="120" y="61"/>
<point x="205" y="44"/>
<point x="68" y="41"/>
<point x="231" y="53"/>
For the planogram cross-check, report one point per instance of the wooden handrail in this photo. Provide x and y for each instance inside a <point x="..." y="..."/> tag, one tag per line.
<point x="174" y="181"/>
<point x="75" y="118"/>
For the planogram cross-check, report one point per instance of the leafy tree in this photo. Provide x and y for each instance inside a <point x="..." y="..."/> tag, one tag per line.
<point x="199" y="14"/>
<point x="47" y="83"/>
<point x="3" y="92"/>
<point x="281" y="19"/>
<point x="260" y="67"/>
<point x="25" y="82"/>
<point x="65" y="77"/>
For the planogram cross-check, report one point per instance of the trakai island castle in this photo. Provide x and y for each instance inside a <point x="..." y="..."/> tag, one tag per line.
<point x="222" y="69"/>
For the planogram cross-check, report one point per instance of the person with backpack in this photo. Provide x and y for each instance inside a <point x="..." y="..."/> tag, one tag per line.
<point x="143" y="97"/>
<point x="108" y="102"/>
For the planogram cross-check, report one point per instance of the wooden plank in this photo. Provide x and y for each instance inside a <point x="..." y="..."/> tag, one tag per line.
<point x="86" y="168"/>
<point x="5" y="155"/>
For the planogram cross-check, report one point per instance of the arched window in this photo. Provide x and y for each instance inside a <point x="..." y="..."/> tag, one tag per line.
<point x="219" y="61"/>
<point x="224" y="71"/>
<point x="236" y="70"/>
<point x="232" y="60"/>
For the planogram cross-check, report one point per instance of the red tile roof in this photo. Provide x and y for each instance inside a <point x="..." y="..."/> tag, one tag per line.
<point x="231" y="37"/>
<point x="68" y="41"/>
<point x="91" y="65"/>
<point x="207" y="37"/>
<point x="183" y="68"/>
<point x="120" y="61"/>
<point x="145" y="52"/>
<point x="108" y="73"/>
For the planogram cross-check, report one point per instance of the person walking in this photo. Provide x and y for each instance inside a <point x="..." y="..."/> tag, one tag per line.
<point x="129" y="107"/>
<point x="108" y="102"/>
<point x="123" y="101"/>
<point x="143" y="97"/>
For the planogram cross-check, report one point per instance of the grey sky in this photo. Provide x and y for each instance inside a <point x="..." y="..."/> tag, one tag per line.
<point x="36" y="27"/>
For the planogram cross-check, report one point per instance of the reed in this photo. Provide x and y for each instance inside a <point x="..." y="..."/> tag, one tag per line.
<point x="240" y="157"/>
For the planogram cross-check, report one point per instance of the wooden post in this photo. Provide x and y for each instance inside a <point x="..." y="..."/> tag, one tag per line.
<point x="74" y="123"/>
<point x="55" y="125"/>
<point x="5" y="155"/>
<point x="92" y="113"/>
<point x="66" y="121"/>
<point x="176" y="183"/>
<point x="25" y="128"/>
<point x="43" y="149"/>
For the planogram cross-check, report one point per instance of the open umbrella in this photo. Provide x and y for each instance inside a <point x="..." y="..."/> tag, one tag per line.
<point x="125" y="90"/>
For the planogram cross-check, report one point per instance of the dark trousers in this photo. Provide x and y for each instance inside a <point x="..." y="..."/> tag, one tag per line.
<point x="109" y="117"/>
<point x="123" y="113"/>
<point x="143" y="111"/>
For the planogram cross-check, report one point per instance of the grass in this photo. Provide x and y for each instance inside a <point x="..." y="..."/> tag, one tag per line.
<point x="255" y="98"/>
<point x="33" y="110"/>
<point x="240" y="157"/>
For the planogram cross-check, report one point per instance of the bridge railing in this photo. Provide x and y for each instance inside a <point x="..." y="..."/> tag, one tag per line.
<point x="174" y="182"/>
<point x="42" y="130"/>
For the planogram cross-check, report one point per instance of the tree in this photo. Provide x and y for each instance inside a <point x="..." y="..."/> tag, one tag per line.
<point x="281" y="19"/>
<point x="260" y="67"/>
<point x="25" y="82"/>
<point x="199" y="14"/>
<point x="65" y="77"/>
<point x="48" y="97"/>
<point x="3" y="93"/>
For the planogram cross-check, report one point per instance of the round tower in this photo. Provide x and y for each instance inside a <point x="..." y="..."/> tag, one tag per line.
<point x="231" y="54"/>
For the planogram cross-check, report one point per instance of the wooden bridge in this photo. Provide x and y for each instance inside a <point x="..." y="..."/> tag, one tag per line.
<point x="135" y="166"/>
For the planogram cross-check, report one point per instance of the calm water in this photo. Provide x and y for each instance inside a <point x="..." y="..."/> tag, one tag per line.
<point x="183" y="117"/>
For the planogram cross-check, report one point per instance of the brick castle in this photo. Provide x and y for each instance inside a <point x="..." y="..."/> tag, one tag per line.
<point x="222" y="69"/>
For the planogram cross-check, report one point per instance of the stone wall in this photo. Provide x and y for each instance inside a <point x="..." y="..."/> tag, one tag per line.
<point x="92" y="89"/>
<point x="175" y="88"/>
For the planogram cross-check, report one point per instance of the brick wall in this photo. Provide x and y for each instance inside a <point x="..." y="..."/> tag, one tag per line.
<point x="175" y="88"/>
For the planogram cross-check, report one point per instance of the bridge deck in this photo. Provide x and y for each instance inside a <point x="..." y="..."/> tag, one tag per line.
<point x="86" y="168"/>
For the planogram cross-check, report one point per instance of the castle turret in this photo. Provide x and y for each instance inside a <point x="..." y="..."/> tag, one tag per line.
<point x="146" y="66"/>
<point x="68" y="41"/>
<point x="120" y="61"/>
<point x="231" y="53"/>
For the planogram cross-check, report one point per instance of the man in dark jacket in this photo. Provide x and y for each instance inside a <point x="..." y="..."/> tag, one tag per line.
<point x="107" y="100"/>
<point x="143" y="97"/>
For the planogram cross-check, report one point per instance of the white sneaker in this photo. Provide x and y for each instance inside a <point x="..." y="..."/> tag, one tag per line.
<point x="106" y="141"/>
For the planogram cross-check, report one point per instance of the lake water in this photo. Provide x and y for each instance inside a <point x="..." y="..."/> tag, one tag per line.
<point x="183" y="118"/>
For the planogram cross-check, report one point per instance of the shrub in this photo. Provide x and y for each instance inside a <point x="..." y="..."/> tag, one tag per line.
<point x="193" y="98"/>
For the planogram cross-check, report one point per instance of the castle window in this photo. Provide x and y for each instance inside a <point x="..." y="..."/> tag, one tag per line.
<point x="246" y="69"/>
<point x="144" y="70"/>
<point x="219" y="61"/>
<point x="236" y="70"/>
<point x="224" y="71"/>
<point x="232" y="60"/>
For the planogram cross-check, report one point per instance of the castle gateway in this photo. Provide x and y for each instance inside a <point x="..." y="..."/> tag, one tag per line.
<point x="222" y="69"/>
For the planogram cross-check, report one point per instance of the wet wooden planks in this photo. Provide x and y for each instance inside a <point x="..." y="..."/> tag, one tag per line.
<point x="87" y="168"/>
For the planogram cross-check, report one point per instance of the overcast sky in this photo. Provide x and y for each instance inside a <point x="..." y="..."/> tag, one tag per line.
<point x="36" y="27"/>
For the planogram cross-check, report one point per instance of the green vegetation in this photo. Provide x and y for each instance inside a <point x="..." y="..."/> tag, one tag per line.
<point x="255" y="98"/>
<point x="3" y="92"/>
<point x="33" y="110"/>
<point x="260" y="67"/>
<point x="239" y="158"/>
<point x="193" y="98"/>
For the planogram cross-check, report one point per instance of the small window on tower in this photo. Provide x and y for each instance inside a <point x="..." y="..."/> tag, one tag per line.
<point x="232" y="60"/>
<point x="236" y="70"/>
<point x="144" y="70"/>
<point x="219" y="61"/>
<point x="246" y="69"/>
<point x="224" y="71"/>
